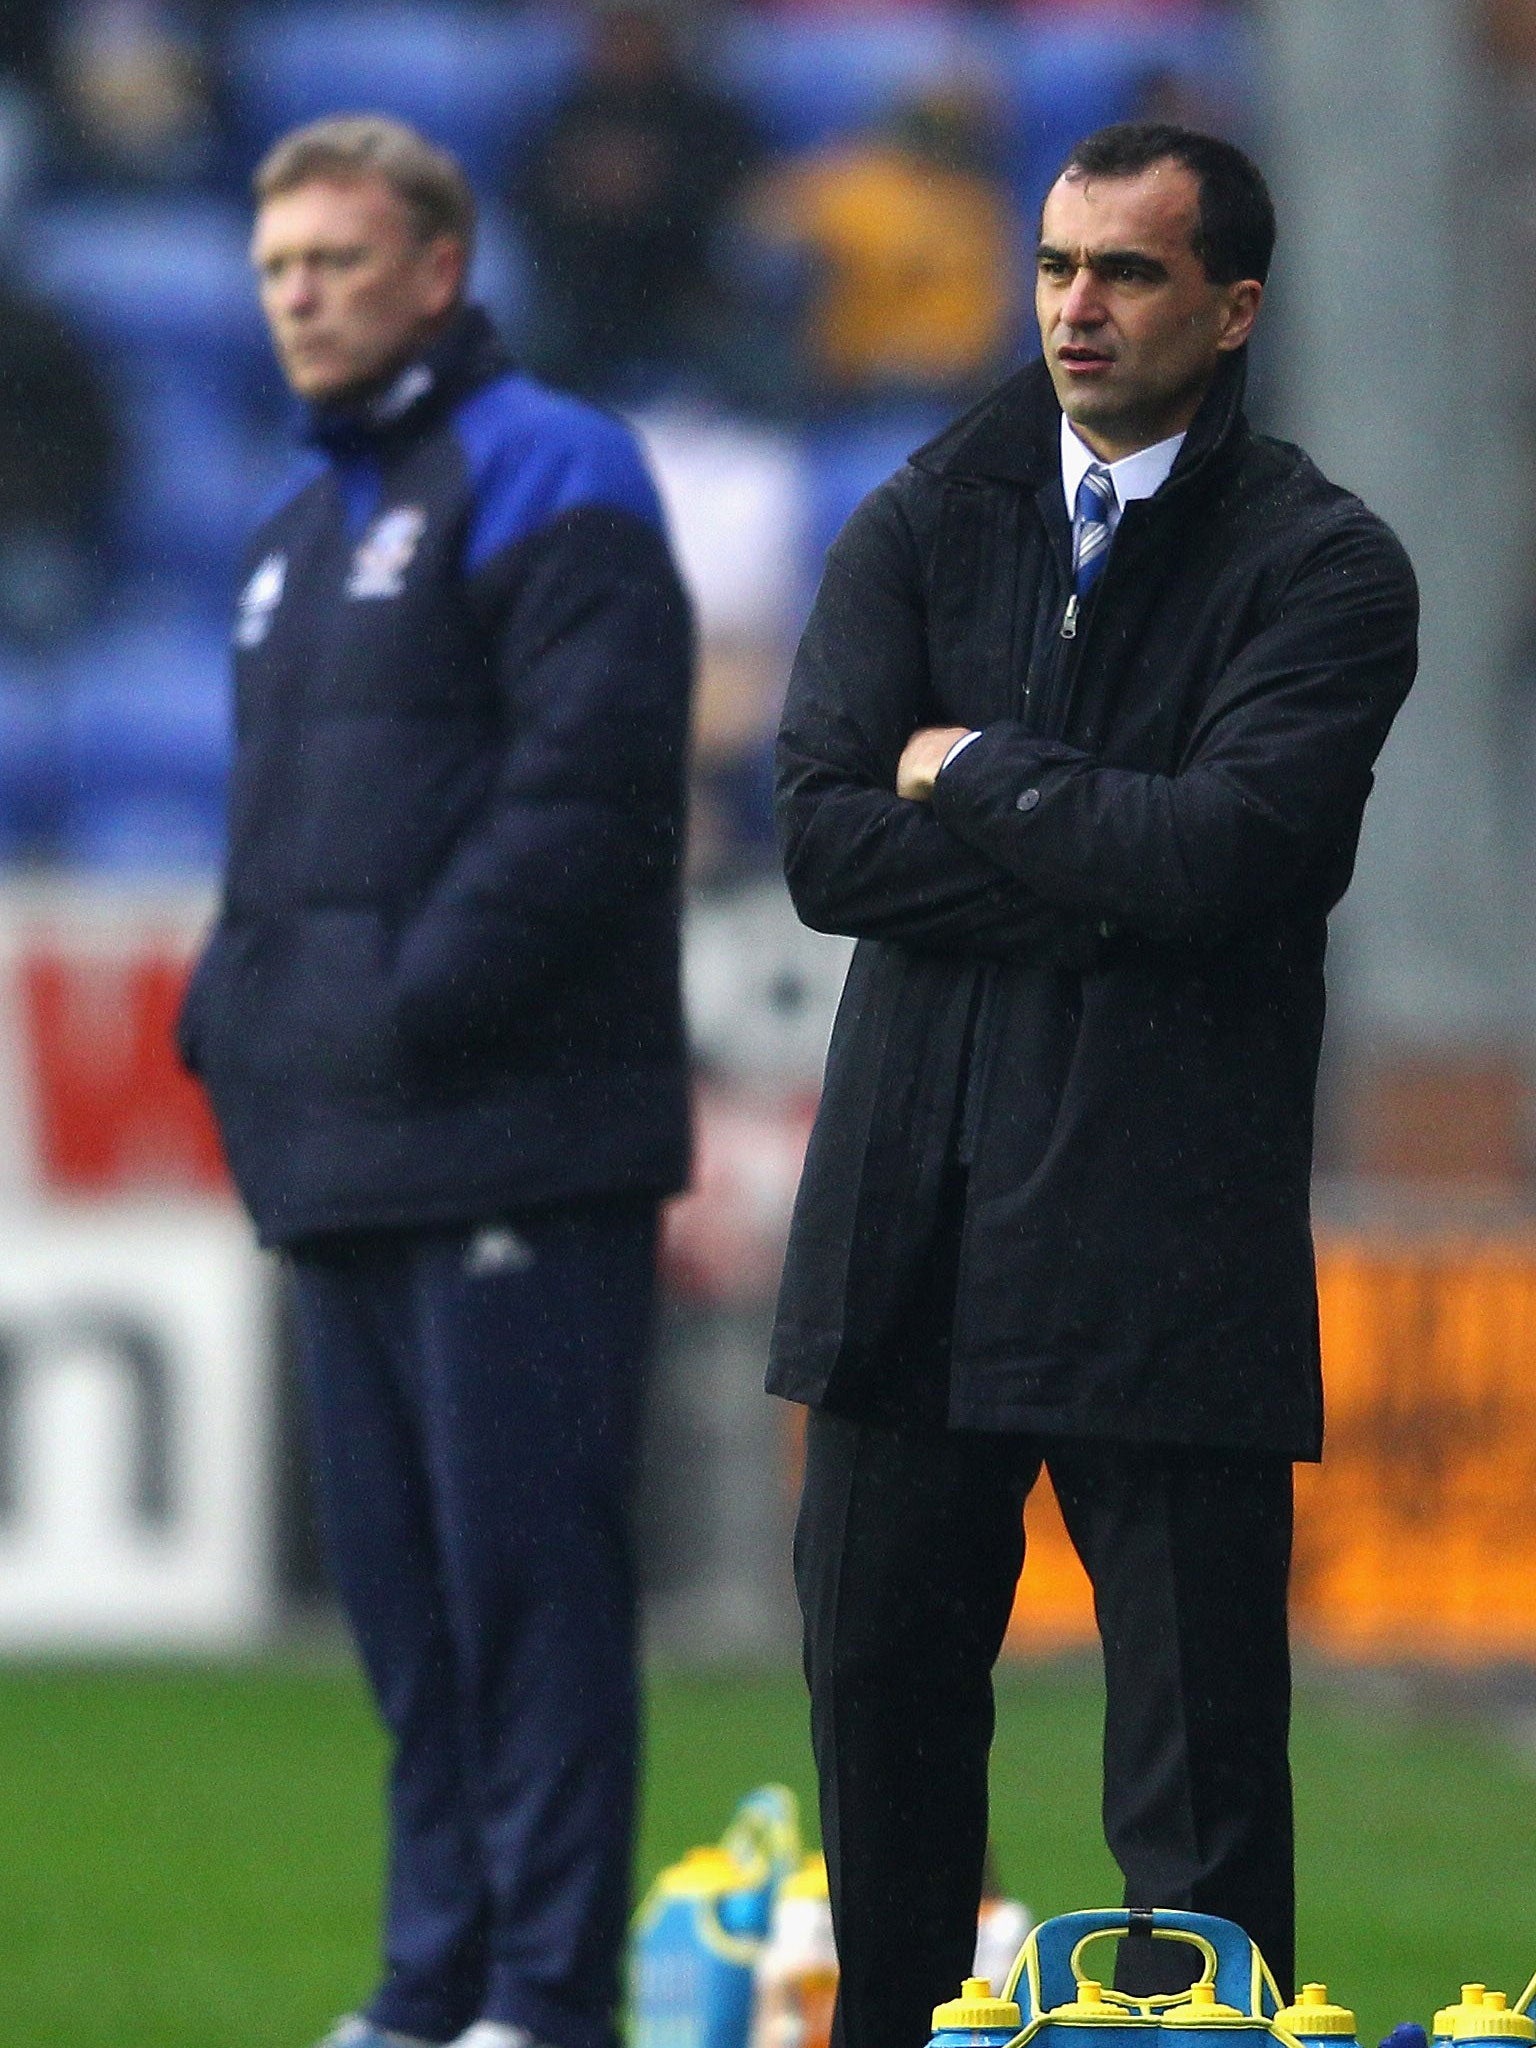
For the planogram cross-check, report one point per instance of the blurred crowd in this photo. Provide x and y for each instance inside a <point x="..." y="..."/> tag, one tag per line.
<point x="788" y="239"/>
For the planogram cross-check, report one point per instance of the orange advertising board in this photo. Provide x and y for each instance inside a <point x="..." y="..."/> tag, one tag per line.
<point x="1416" y="1537"/>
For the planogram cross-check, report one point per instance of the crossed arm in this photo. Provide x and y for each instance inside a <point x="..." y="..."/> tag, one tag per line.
<point x="1020" y="840"/>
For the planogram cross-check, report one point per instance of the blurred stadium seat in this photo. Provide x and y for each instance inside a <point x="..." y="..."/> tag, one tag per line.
<point x="844" y="464"/>
<point x="1051" y="77"/>
<point x="1058" y="78"/>
<point x="30" y="761"/>
<point x="808" y="81"/>
<point x="471" y="78"/>
<point x="501" y="278"/>
<point x="145" y="733"/>
<point x="163" y="290"/>
<point x="196" y="475"/>
<point x="168" y="277"/>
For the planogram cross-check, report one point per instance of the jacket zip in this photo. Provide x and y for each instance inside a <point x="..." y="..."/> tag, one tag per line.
<point x="983" y="1032"/>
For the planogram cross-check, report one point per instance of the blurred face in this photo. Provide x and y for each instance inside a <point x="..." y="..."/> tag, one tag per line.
<point x="350" y="291"/>
<point x="1131" y="326"/>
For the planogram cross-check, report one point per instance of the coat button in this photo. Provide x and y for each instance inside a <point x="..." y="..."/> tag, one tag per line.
<point x="1026" y="799"/>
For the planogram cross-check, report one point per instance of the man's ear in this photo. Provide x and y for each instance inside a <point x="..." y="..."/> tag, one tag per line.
<point x="448" y="263"/>
<point x="1240" y="308"/>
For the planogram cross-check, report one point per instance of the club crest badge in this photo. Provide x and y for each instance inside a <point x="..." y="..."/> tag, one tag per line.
<point x="259" y="600"/>
<point x="385" y="552"/>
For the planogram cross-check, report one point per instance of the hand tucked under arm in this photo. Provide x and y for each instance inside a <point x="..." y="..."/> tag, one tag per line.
<point x="922" y="758"/>
<point x="1264" y="807"/>
<point x="858" y="858"/>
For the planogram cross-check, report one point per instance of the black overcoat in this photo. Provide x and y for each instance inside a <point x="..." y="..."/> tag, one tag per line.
<point x="1092" y="967"/>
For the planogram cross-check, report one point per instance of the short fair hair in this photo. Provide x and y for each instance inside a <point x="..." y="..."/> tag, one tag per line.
<point x="345" y="148"/>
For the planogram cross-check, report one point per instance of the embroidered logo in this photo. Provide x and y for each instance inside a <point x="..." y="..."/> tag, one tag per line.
<point x="410" y="385"/>
<point x="497" y="1249"/>
<point x="259" y="600"/>
<point x="385" y="552"/>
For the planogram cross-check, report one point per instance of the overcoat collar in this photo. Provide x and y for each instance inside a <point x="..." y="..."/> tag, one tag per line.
<point x="1013" y="435"/>
<point x="462" y="358"/>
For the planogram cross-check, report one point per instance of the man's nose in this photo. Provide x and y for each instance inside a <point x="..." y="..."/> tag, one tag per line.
<point x="296" y="293"/>
<point x="1083" y="305"/>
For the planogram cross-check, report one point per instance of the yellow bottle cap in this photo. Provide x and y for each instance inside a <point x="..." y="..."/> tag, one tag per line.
<point x="1089" y="2004"/>
<point x="808" y="1882"/>
<point x="977" y="2006"/>
<point x="1445" y="2018"/>
<point x="1201" y="2005"/>
<point x="700" y="1874"/>
<point x="1489" y="2019"/>
<point x="1312" y="2015"/>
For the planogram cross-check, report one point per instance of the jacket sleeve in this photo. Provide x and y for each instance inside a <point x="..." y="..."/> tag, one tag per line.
<point x="1265" y="807"/>
<point x="584" y="811"/>
<point x="859" y="859"/>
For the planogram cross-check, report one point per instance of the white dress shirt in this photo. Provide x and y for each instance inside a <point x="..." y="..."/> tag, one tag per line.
<point x="1133" y="476"/>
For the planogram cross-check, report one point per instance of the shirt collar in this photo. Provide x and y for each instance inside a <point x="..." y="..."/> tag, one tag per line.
<point x="1133" y="476"/>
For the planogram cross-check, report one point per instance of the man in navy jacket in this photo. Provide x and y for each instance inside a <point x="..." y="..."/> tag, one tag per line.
<point x="439" y="1021"/>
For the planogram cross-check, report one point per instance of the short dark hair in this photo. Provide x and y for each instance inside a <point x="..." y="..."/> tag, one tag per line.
<point x="1235" y="233"/>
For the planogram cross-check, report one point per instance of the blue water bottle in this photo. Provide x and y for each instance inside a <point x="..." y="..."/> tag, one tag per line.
<point x="1491" y="2019"/>
<point x="701" y="1929"/>
<point x="1314" y="2019"/>
<point x="978" y="2018"/>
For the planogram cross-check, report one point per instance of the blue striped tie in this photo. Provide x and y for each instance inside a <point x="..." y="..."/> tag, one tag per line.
<point x="1090" y="529"/>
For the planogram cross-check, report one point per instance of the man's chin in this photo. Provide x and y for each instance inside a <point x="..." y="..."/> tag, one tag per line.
<point x="1086" y="408"/>
<point x="325" y="382"/>
<point x="320" y="390"/>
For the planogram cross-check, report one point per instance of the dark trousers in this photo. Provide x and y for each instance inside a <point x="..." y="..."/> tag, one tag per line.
<point x="475" y="1397"/>
<point x="909" y="1544"/>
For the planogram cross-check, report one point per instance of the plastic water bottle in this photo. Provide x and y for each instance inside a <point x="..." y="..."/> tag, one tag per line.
<point x="1445" y="2019"/>
<point x="976" y="2019"/>
<point x="1490" y="2018"/>
<point x="701" y="1930"/>
<point x="1001" y="1930"/>
<point x="797" y="1969"/>
<point x="1314" y="2018"/>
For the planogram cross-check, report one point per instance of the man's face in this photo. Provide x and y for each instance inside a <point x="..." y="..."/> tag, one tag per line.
<point x="349" y="289"/>
<point x="1131" y="326"/>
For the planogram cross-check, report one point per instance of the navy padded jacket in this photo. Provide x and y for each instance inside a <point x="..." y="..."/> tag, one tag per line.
<point x="443" y="983"/>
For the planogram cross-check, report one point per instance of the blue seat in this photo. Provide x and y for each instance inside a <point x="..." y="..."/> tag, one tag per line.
<point x="146" y="737"/>
<point x="501" y="279"/>
<point x="471" y="78"/>
<point x="31" y="761"/>
<point x="198" y="471"/>
<point x="844" y="462"/>
<point x="813" y="81"/>
<point x="1059" y="79"/>
<point x="157" y="277"/>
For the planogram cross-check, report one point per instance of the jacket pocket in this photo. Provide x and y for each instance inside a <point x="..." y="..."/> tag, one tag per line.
<point x="309" y="1002"/>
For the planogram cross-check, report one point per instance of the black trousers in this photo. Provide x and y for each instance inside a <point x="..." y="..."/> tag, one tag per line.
<point x="909" y="1544"/>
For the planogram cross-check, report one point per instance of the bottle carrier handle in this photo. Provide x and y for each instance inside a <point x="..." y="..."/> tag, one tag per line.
<point x="1047" y="1972"/>
<point x="763" y="1834"/>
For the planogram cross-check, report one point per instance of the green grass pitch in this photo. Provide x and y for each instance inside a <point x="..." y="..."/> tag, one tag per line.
<point x="189" y="1855"/>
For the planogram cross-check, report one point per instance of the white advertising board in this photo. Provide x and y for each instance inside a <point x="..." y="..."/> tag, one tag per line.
<point x="135" y="1489"/>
